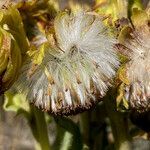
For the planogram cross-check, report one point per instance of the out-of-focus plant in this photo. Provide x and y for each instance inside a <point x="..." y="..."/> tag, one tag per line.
<point x="11" y="19"/>
<point x="37" y="15"/>
<point x="135" y="91"/>
<point x="10" y="60"/>
<point x="12" y="47"/>
<point x="117" y="9"/>
<point x="132" y="39"/>
<point x="36" y="119"/>
<point x="112" y="9"/>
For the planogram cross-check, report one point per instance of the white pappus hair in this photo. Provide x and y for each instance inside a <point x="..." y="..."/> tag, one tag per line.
<point x="76" y="71"/>
<point x="138" y="70"/>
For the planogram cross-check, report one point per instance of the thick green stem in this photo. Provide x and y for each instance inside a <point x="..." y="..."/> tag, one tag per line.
<point x="39" y="128"/>
<point x="84" y="128"/>
<point x="119" y="123"/>
<point x="73" y="135"/>
<point x="67" y="141"/>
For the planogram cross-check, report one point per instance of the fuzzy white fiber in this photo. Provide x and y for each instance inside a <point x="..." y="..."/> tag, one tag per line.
<point x="139" y="68"/>
<point x="79" y="66"/>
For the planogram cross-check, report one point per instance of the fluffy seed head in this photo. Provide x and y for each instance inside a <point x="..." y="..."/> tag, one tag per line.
<point x="76" y="66"/>
<point x="138" y="71"/>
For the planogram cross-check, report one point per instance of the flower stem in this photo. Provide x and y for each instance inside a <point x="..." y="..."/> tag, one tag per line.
<point x="118" y="122"/>
<point x="67" y="141"/>
<point x="39" y="128"/>
<point x="84" y="127"/>
<point x="73" y="135"/>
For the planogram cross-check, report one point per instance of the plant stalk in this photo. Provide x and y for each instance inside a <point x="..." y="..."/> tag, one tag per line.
<point x="119" y="123"/>
<point x="39" y="129"/>
<point x="84" y="128"/>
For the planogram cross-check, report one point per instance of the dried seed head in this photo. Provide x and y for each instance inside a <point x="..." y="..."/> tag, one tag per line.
<point x="75" y="70"/>
<point x="138" y="69"/>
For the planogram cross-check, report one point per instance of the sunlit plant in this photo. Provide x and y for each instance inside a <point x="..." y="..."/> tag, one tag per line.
<point x="73" y="69"/>
<point x="57" y="63"/>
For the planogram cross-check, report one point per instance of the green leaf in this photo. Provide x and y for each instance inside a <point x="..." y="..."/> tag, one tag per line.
<point x="15" y="103"/>
<point x="11" y="17"/>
